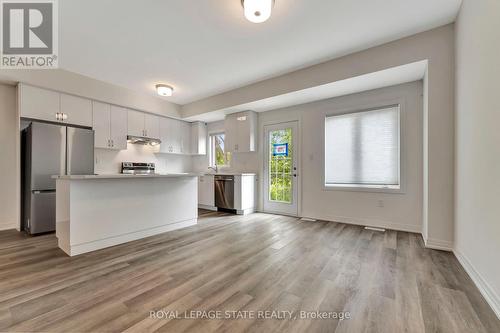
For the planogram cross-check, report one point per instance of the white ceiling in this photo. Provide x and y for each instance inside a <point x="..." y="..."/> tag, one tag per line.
<point x="385" y="78"/>
<point x="205" y="47"/>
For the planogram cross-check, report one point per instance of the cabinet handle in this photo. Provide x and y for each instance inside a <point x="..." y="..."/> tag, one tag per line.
<point x="112" y="143"/>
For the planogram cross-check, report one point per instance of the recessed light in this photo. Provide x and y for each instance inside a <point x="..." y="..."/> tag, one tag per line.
<point x="257" y="11"/>
<point x="164" y="90"/>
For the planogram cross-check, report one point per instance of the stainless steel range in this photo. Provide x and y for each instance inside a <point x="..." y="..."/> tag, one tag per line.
<point x="134" y="168"/>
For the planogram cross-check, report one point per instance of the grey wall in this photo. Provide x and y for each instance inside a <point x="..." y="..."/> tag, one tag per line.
<point x="401" y="211"/>
<point x="477" y="199"/>
<point x="436" y="46"/>
<point x="9" y="209"/>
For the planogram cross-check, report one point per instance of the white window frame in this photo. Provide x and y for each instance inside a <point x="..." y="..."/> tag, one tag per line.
<point x="211" y="156"/>
<point x="402" y="149"/>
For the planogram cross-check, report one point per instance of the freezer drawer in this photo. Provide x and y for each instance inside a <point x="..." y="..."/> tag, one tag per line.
<point x="43" y="212"/>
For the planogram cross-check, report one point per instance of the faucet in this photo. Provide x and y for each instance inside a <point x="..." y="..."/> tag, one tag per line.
<point x="215" y="168"/>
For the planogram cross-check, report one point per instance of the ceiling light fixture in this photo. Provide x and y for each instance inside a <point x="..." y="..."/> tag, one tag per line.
<point x="164" y="90"/>
<point x="257" y="11"/>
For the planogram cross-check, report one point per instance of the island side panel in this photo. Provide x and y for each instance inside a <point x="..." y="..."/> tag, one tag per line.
<point x="107" y="212"/>
<point x="63" y="215"/>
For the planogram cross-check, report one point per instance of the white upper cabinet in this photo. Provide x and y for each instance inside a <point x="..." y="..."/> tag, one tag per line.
<point x="185" y="135"/>
<point x="175" y="136"/>
<point x="143" y="124"/>
<point x="77" y="110"/>
<point x="151" y="126"/>
<point x="241" y="132"/>
<point x="119" y="127"/>
<point x="136" y="123"/>
<point x="110" y="126"/>
<point x="101" y="125"/>
<point x="43" y="104"/>
<point x="170" y="135"/>
<point x="198" y="138"/>
<point x="36" y="103"/>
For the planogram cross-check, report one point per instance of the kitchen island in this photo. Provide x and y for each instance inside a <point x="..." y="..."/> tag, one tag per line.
<point x="98" y="211"/>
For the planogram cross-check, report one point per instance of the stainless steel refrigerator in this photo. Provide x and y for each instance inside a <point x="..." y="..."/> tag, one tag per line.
<point x="51" y="150"/>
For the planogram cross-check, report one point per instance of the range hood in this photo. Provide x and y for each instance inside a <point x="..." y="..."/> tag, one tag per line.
<point x="139" y="140"/>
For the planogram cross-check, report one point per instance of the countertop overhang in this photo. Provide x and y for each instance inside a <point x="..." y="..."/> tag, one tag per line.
<point x="126" y="176"/>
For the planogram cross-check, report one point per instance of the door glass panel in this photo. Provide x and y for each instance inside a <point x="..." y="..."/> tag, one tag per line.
<point x="280" y="165"/>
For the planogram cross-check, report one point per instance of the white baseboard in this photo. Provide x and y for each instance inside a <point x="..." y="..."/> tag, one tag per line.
<point x="76" y="249"/>
<point x="370" y="223"/>
<point x="212" y="208"/>
<point x="437" y="244"/>
<point x="486" y="290"/>
<point x="8" y="226"/>
<point x="245" y="211"/>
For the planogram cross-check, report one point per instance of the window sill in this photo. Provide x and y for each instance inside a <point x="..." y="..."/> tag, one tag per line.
<point x="365" y="188"/>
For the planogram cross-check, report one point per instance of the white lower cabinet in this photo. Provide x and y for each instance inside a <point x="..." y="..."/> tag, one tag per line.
<point x="206" y="192"/>
<point x="244" y="193"/>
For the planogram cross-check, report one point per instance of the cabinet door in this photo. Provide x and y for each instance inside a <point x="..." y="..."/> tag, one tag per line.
<point x="206" y="191"/>
<point x="198" y="138"/>
<point x="101" y="124"/>
<point x="136" y="123"/>
<point x="185" y="137"/>
<point x="243" y="135"/>
<point x="244" y="192"/>
<point x="152" y="126"/>
<point x="78" y="110"/>
<point x="119" y="126"/>
<point x="38" y="103"/>
<point x="165" y="146"/>
<point x="230" y="134"/>
<point x="175" y="136"/>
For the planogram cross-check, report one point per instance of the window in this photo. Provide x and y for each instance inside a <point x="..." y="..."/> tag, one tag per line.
<point x="362" y="149"/>
<point x="218" y="155"/>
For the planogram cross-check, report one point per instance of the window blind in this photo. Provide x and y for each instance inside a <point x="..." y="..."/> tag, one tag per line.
<point x="362" y="148"/>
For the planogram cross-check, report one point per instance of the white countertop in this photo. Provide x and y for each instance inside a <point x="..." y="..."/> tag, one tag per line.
<point x="126" y="176"/>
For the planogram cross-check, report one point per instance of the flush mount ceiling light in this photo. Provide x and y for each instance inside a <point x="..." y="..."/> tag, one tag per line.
<point x="257" y="11"/>
<point x="164" y="90"/>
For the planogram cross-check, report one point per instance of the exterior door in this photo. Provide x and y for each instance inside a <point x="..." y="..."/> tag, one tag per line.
<point x="281" y="168"/>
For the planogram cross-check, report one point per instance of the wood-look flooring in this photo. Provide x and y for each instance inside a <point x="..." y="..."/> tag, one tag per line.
<point x="386" y="281"/>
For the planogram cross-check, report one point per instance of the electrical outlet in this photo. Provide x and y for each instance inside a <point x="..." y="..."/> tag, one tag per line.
<point x="381" y="203"/>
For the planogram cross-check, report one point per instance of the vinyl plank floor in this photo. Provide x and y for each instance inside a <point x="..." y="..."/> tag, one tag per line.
<point x="258" y="264"/>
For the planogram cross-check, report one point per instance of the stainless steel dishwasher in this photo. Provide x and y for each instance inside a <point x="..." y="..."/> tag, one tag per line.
<point x="224" y="191"/>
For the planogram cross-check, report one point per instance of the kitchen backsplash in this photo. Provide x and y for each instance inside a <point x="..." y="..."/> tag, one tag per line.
<point x="109" y="161"/>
